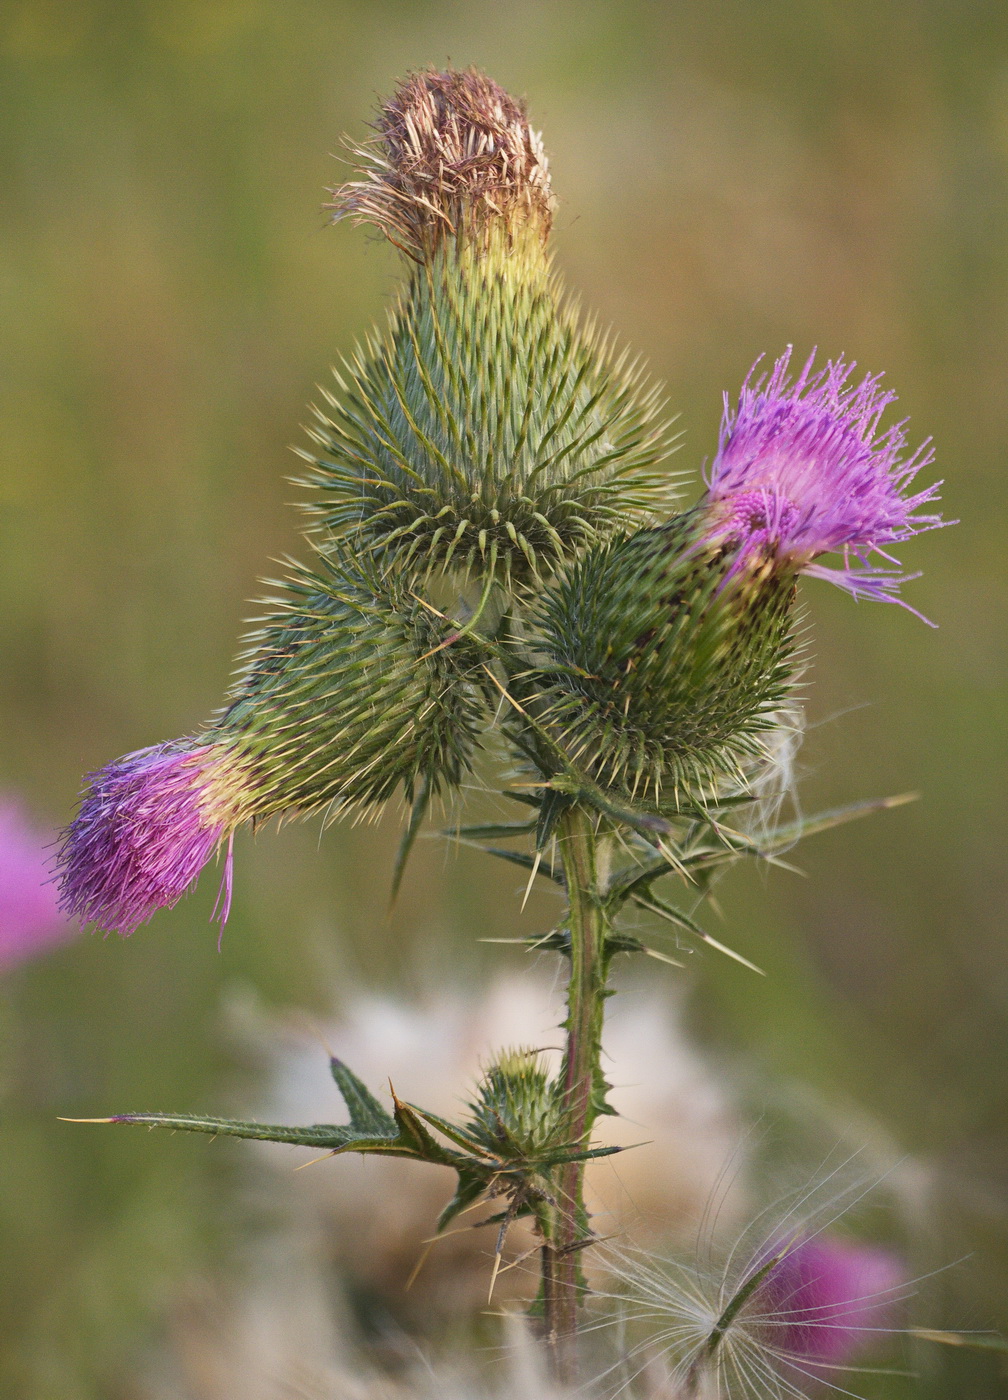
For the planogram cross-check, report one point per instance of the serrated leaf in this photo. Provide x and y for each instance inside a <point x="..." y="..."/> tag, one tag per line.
<point x="452" y="1131"/>
<point x="624" y="943"/>
<point x="471" y="1186"/>
<point x="366" y="1114"/>
<point x="578" y="787"/>
<point x="416" y="1141"/>
<point x="370" y="1130"/>
<point x="327" y="1136"/>
<point x="787" y="835"/>
<point x="580" y="1154"/>
<point x="633" y="878"/>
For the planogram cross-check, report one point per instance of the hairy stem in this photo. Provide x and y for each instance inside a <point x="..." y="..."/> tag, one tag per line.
<point x="584" y="1085"/>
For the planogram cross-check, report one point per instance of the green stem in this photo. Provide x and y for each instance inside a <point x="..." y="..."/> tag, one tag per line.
<point x="584" y="1084"/>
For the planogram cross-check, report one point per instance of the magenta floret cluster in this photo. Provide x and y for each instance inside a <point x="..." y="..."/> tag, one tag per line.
<point x="803" y="468"/>
<point x="140" y="838"/>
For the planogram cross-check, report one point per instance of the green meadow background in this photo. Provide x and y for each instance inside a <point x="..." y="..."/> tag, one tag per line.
<point x="733" y="177"/>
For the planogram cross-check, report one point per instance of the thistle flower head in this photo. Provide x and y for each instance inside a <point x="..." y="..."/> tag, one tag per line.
<point x="790" y="1304"/>
<point x="825" y="1300"/>
<point x="664" y="658"/>
<point x="453" y="155"/>
<point x="30" y="917"/>
<point x="803" y="469"/>
<point x="344" y="695"/>
<point x="489" y="430"/>
<point x="146" y="826"/>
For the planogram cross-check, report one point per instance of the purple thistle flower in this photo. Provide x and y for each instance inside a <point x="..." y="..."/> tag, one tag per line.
<point x="802" y="470"/>
<point x="146" y="826"/>
<point x="826" y="1300"/>
<point x="30" y="917"/>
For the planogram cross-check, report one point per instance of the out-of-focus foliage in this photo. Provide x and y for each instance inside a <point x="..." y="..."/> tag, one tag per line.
<point x="731" y="178"/>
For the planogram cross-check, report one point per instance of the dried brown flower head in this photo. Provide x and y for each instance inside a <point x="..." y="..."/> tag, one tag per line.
<point x="453" y="155"/>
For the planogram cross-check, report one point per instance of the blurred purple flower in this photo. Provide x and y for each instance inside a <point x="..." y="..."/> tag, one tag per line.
<point x="826" y="1301"/>
<point x="30" y="917"/>
<point x="147" y="825"/>
<point x="802" y="470"/>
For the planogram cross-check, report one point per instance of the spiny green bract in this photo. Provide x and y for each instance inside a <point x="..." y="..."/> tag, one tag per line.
<point x="663" y="659"/>
<point x="488" y="429"/>
<point x="518" y="1110"/>
<point x="344" y="695"/>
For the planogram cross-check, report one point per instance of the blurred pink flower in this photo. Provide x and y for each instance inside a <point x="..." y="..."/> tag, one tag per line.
<point x="30" y="916"/>
<point x="828" y="1300"/>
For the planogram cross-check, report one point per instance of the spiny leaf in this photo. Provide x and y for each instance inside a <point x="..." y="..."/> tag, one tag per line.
<point x="366" y="1114"/>
<point x="370" y="1130"/>
<point x="417" y="813"/>
<point x="709" y="846"/>
<point x="491" y="831"/>
<point x="518" y="858"/>
<point x="321" y="1135"/>
<point x="787" y="835"/>
<point x="552" y="808"/>
<point x="471" y="1185"/>
<point x="683" y="921"/>
<point x="638" y="877"/>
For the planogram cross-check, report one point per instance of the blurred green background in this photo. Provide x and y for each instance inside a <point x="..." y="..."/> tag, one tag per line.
<point x="732" y="178"/>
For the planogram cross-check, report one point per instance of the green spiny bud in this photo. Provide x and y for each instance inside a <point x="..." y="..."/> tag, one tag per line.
<point x="346" y="693"/>
<point x="518" y="1114"/>
<point x="488" y="428"/>
<point x="664" y="657"/>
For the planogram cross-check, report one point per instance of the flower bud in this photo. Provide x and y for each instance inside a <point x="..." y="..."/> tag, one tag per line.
<point x="663" y="659"/>
<point x="345" y="695"/>
<point x="487" y="430"/>
<point x="518" y="1112"/>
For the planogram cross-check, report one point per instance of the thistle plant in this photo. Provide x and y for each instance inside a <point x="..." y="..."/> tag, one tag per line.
<point x="499" y="561"/>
